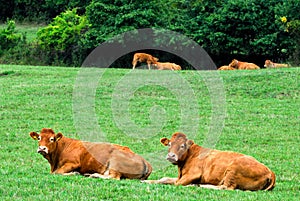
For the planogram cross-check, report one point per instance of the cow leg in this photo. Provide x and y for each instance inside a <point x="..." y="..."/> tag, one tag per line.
<point x="134" y="62"/>
<point x="71" y="173"/>
<point x="209" y="186"/>
<point x="66" y="168"/>
<point x="185" y="180"/>
<point x="97" y="175"/>
<point x="228" y="182"/>
<point x="115" y="174"/>
<point x="164" y="180"/>
<point x="149" y="65"/>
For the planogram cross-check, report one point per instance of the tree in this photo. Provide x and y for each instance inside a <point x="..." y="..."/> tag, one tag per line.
<point x="238" y="28"/>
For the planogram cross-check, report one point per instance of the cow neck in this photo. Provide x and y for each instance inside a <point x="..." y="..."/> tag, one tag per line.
<point x="192" y="152"/>
<point x="53" y="158"/>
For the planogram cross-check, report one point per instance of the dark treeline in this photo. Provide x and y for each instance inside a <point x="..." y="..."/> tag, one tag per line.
<point x="252" y="30"/>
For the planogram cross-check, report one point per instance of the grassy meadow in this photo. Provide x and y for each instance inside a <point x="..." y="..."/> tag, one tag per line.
<point x="260" y="110"/>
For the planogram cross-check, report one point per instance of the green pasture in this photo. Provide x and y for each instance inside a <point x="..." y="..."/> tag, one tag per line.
<point x="260" y="110"/>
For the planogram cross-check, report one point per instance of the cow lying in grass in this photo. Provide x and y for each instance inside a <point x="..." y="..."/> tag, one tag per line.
<point x="226" y="68"/>
<point x="104" y="160"/>
<point x="167" y="66"/>
<point x="217" y="169"/>
<point x="143" y="57"/>
<point x="243" y="65"/>
<point x="270" y="64"/>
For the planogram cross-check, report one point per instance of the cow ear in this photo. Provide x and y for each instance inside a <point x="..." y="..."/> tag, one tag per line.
<point x="189" y="143"/>
<point x="58" y="136"/>
<point x="34" y="135"/>
<point x="165" y="141"/>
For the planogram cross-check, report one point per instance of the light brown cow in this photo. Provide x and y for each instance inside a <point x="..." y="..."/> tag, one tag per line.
<point x="167" y="66"/>
<point x="219" y="169"/>
<point x="143" y="57"/>
<point x="243" y="65"/>
<point x="67" y="155"/>
<point x="270" y="64"/>
<point x="226" y="68"/>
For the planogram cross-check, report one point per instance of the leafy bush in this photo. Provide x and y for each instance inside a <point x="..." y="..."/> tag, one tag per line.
<point x="60" y="39"/>
<point x="9" y="38"/>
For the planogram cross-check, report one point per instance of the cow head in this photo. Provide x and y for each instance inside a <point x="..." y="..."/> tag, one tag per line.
<point x="47" y="140"/>
<point x="178" y="147"/>
<point x="268" y="64"/>
<point x="234" y="63"/>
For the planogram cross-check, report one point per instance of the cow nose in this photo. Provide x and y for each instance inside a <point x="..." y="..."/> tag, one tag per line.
<point x="171" y="155"/>
<point x="42" y="149"/>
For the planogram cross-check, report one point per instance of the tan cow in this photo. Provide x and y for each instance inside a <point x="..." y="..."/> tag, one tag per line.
<point x="143" y="57"/>
<point x="243" y="65"/>
<point x="105" y="160"/>
<point x="270" y="64"/>
<point x="226" y="68"/>
<point x="218" y="169"/>
<point x="167" y="66"/>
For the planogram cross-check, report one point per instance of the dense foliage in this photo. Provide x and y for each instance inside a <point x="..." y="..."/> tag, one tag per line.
<point x="250" y="30"/>
<point x="9" y="37"/>
<point x="41" y="11"/>
<point x="62" y="35"/>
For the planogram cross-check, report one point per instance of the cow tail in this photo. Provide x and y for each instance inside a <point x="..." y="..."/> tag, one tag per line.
<point x="147" y="170"/>
<point x="271" y="182"/>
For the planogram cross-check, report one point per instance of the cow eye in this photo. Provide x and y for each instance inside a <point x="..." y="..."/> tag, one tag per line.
<point x="182" y="146"/>
<point x="169" y="144"/>
<point x="51" y="139"/>
<point x="39" y="138"/>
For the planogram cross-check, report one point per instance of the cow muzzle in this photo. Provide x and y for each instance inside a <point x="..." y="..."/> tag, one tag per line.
<point x="173" y="158"/>
<point x="42" y="150"/>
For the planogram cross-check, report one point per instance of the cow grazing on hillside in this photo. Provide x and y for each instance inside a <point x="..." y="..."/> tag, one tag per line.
<point x="143" y="57"/>
<point x="226" y="68"/>
<point x="219" y="169"/>
<point x="270" y="64"/>
<point x="243" y="65"/>
<point x="105" y="160"/>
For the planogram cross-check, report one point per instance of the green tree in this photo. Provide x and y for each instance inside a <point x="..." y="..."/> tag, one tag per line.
<point x="288" y="16"/>
<point x="247" y="29"/>
<point x="9" y="37"/>
<point x="60" y="39"/>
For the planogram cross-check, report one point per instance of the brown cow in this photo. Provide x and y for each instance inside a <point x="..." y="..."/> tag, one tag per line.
<point x="243" y="65"/>
<point x="226" y="68"/>
<point x="143" y="57"/>
<point x="270" y="64"/>
<point x="67" y="155"/>
<point x="222" y="169"/>
<point x="167" y="66"/>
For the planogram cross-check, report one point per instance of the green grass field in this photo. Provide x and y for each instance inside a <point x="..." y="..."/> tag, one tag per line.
<point x="262" y="119"/>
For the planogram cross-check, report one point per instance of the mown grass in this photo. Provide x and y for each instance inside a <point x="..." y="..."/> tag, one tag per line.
<point x="262" y="120"/>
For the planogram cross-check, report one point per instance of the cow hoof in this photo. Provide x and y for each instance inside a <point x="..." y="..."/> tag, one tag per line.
<point x="97" y="175"/>
<point x="71" y="173"/>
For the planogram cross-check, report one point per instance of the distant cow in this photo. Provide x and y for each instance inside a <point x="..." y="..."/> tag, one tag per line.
<point x="226" y="68"/>
<point x="167" y="66"/>
<point x="219" y="169"/>
<point x="106" y="160"/>
<point x="243" y="65"/>
<point x="143" y="57"/>
<point x="270" y="64"/>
